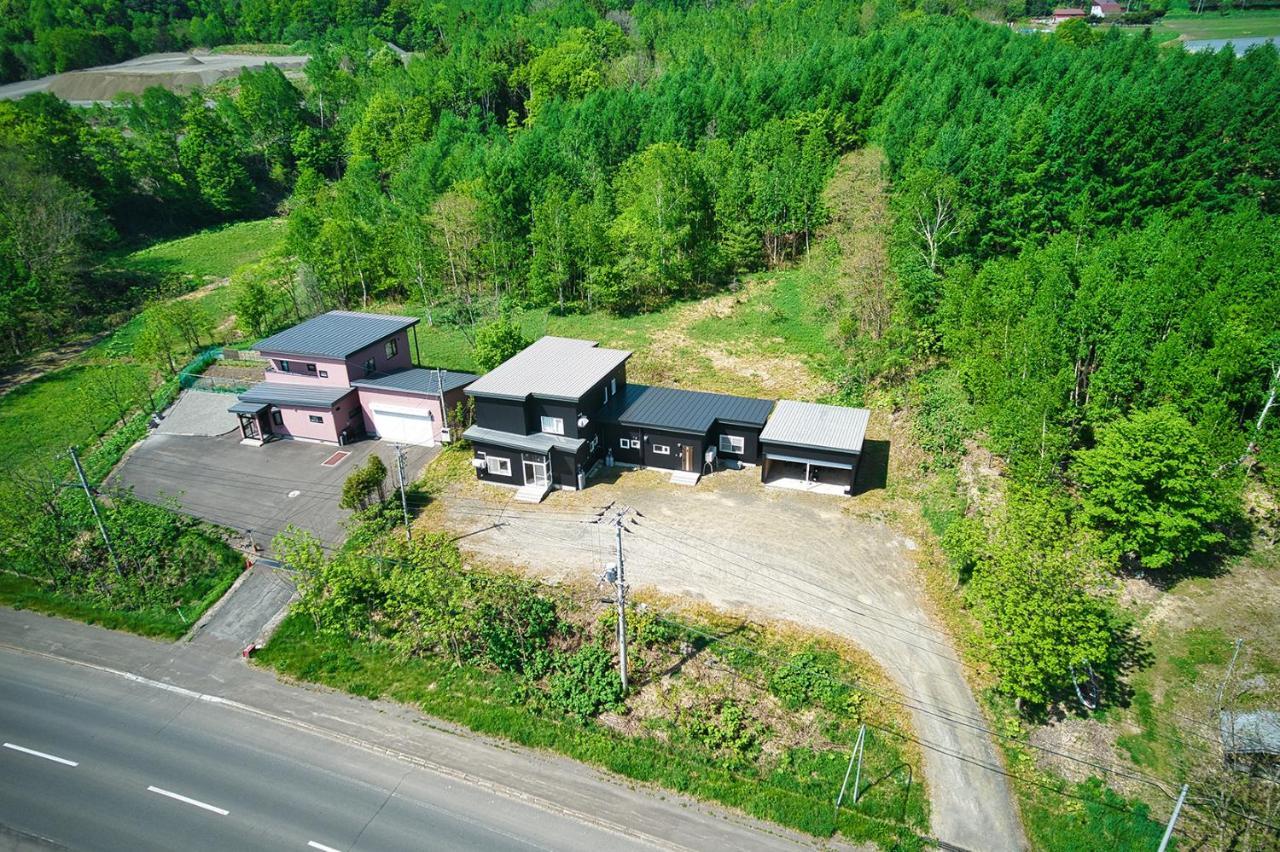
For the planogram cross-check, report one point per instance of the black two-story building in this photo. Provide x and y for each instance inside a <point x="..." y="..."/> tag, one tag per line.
<point x="536" y="420"/>
<point x="547" y="415"/>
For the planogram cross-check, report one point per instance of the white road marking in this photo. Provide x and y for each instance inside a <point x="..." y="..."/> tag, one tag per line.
<point x="321" y="846"/>
<point x="32" y="751"/>
<point x="196" y="802"/>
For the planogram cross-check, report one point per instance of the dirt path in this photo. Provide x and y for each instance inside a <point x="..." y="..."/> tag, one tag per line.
<point x="799" y="557"/>
<point x="47" y="362"/>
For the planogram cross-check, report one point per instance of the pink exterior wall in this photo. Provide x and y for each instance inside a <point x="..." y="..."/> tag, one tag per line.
<point x="298" y="373"/>
<point x="297" y="423"/>
<point x="402" y="360"/>
<point x="370" y="398"/>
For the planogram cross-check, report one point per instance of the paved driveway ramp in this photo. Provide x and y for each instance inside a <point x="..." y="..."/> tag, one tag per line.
<point x="251" y="605"/>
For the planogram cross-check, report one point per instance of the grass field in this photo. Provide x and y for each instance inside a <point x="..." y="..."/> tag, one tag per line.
<point x="1188" y="26"/>
<point x="41" y="418"/>
<point x="798" y="793"/>
<point x="214" y="253"/>
<point x="169" y="622"/>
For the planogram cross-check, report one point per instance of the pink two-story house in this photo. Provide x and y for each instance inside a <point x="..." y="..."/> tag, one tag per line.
<point x="343" y="375"/>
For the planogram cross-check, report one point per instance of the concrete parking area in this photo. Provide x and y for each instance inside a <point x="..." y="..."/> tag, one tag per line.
<point x="777" y="554"/>
<point x="198" y="412"/>
<point x="263" y="489"/>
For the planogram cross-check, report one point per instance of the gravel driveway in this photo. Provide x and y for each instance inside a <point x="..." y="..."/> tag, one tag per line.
<point x="790" y="555"/>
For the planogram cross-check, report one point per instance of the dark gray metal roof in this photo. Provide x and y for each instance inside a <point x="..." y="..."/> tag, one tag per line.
<point x="551" y="367"/>
<point x="688" y="410"/>
<point x="305" y="396"/>
<point x="1255" y="732"/>
<point x="419" y="380"/>
<point x="539" y="442"/>
<point x="247" y="407"/>
<point x="336" y="334"/>
<point x="817" y="427"/>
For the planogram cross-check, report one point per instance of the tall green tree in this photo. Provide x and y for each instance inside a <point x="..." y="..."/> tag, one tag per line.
<point x="1146" y="487"/>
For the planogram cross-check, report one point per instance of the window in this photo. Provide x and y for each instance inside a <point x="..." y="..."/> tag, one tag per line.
<point x="370" y="366"/>
<point x="315" y="418"/>
<point x="613" y="387"/>
<point x="591" y="447"/>
<point x="284" y="366"/>
<point x="276" y="417"/>
<point x="628" y="444"/>
<point x="553" y="425"/>
<point x="391" y="348"/>
<point x="311" y="368"/>
<point x="606" y="393"/>
<point x="661" y="450"/>
<point x="732" y="444"/>
<point x="497" y="465"/>
<point x="324" y="374"/>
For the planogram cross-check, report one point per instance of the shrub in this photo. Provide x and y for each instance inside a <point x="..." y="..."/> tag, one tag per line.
<point x="729" y="731"/>
<point x="498" y="341"/>
<point x="516" y="628"/>
<point x="804" y="680"/>
<point x="363" y="483"/>
<point x="585" y="684"/>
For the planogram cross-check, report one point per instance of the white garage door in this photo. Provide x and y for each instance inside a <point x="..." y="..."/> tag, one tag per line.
<point x="404" y="427"/>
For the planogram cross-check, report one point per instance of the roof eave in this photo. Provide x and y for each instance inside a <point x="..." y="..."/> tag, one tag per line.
<point x="802" y="446"/>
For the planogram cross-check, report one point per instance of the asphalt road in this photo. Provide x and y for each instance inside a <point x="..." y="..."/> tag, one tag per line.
<point x="92" y="762"/>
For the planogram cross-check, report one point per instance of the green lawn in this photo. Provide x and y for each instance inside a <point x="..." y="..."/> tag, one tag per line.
<point x="447" y="346"/>
<point x="1207" y="25"/>
<point x="214" y="253"/>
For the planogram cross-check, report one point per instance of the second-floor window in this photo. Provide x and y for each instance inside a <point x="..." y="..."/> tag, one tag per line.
<point x="284" y="366"/>
<point x="554" y="425"/>
<point x="392" y="348"/>
<point x="311" y="368"/>
<point x="370" y="366"/>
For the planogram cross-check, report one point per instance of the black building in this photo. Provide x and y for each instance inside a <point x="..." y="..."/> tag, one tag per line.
<point x="536" y="413"/>
<point x="683" y="430"/>
<point x="812" y="446"/>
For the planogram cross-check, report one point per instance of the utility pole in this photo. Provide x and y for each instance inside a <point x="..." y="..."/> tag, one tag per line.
<point x="620" y="586"/>
<point x="93" y="504"/>
<point x="404" y="501"/>
<point x="1168" y="831"/>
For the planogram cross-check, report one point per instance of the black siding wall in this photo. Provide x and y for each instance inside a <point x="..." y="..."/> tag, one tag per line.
<point x="513" y="456"/>
<point x="502" y="415"/>
<point x="677" y="442"/>
<point x="750" y="437"/>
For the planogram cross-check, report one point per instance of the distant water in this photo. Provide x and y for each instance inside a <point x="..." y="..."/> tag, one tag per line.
<point x="1239" y="44"/>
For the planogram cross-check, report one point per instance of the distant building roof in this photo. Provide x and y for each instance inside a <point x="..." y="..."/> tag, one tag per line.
<point x="419" y="380"/>
<point x="686" y="410"/>
<point x="305" y="396"/>
<point x="555" y="367"/>
<point x="1254" y="732"/>
<point x="538" y="442"/>
<point x="336" y="334"/>
<point x="817" y="427"/>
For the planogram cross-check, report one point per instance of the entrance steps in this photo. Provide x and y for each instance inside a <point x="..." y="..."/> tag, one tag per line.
<point x="532" y="493"/>
<point x="685" y="477"/>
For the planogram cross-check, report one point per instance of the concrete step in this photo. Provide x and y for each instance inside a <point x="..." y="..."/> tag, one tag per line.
<point x="532" y="493"/>
<point x="685" y="477"/>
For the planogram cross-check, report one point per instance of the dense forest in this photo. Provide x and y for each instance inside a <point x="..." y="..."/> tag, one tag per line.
<point x="1084" y="256"/>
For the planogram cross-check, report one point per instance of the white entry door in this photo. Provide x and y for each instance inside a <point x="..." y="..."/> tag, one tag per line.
<point x="404" y="427"/>
<point x="535" y="473"/>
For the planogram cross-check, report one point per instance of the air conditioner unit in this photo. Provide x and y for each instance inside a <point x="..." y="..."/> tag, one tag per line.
<point x="478" y="463"/>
